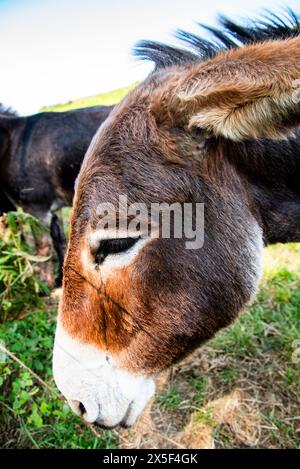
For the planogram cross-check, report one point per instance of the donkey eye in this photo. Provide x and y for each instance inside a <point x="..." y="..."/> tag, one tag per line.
<point x="113" y="246"/>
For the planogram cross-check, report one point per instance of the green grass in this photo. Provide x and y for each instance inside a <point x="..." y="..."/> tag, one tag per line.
<point x="169" y="399"/>
<point x="104" y="99"/>
<point x="31" y="416"/>
<point x="253" y="355"/>
<point x="20" y="284"/>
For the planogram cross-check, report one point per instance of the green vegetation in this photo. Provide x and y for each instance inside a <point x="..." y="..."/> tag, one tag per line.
<point x="169" y="399"/>
<point x="253" y="356"/>
<point x="104" y="99"/>
<point x="20" y="284"/>
<point x="30" y="415"/>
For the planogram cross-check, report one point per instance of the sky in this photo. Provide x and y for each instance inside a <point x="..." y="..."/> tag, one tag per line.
<point x="54" y="51"/>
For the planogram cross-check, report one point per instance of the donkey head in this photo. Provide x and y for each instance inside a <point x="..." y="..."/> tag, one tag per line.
<point x="133" y="305"/>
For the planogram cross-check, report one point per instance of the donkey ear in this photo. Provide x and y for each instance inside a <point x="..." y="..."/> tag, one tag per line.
<point x="251" y="92"/>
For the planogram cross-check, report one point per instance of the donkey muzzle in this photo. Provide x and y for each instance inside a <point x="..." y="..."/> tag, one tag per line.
<point x="95" y="388"/>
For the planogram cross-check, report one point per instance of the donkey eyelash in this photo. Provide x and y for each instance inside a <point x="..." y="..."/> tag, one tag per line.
<point x="113" y="246"/>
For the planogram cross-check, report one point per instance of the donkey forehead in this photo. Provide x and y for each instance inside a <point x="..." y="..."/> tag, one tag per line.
<point x="117" y="140"/>
<point x="132" y="120"/>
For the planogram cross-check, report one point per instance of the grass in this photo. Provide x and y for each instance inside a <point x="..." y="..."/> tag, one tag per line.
<point x="30" y="416"/>
<point x="20" y="284"/>
<point x="170" y="399"/>
<point x="239" y="390"/>
<point x="104" y="99"/>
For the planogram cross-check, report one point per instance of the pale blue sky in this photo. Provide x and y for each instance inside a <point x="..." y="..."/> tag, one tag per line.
<point x="52" y="51"/>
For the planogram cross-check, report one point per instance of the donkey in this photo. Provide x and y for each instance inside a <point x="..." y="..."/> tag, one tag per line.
<point x="215" y="125"/>
<point x="40" y="158"/>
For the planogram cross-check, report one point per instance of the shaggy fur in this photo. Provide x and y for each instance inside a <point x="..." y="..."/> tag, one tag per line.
<point x="194" y="131"/>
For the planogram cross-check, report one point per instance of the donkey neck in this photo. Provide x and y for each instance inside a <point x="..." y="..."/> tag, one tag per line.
<point x="11" y="129"/>
<point x="272" y="173"/>
<point x="10" y="132"/>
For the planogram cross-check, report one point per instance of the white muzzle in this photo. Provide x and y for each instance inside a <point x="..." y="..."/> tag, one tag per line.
<point x="94" y="387"/>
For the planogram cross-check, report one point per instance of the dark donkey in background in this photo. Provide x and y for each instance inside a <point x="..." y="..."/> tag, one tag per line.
<point x="217" y="126"/>
<point x="40" y="158"/>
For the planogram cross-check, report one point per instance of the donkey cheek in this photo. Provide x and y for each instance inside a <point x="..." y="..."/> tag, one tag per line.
<point x="98" y="319"/>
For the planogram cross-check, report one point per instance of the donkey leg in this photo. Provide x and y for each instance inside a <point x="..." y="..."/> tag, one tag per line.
<point x="59" y="244"/>
<point x="43" y="245"/>
<point x="43" y="242"/>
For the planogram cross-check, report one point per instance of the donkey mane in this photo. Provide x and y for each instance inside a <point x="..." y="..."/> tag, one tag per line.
<point x="229" y="35"/>
<point x="7" y="111"/>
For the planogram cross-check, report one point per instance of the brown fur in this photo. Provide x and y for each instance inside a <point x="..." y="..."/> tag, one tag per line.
<point x="165" y="142"/>
<point x="231" y="94"/>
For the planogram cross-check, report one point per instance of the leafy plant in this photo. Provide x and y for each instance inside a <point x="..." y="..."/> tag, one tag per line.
<point x="30" y="415"/>
<point x="20" y="285"/>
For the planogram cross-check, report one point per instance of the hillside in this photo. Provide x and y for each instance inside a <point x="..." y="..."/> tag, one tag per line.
<point x="106" y="99"/>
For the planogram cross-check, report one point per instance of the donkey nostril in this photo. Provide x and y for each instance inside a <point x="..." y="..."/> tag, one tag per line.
<point x="88" y="410"/>
<point x="77" y="407"/>
<point x="81" y="408"/>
